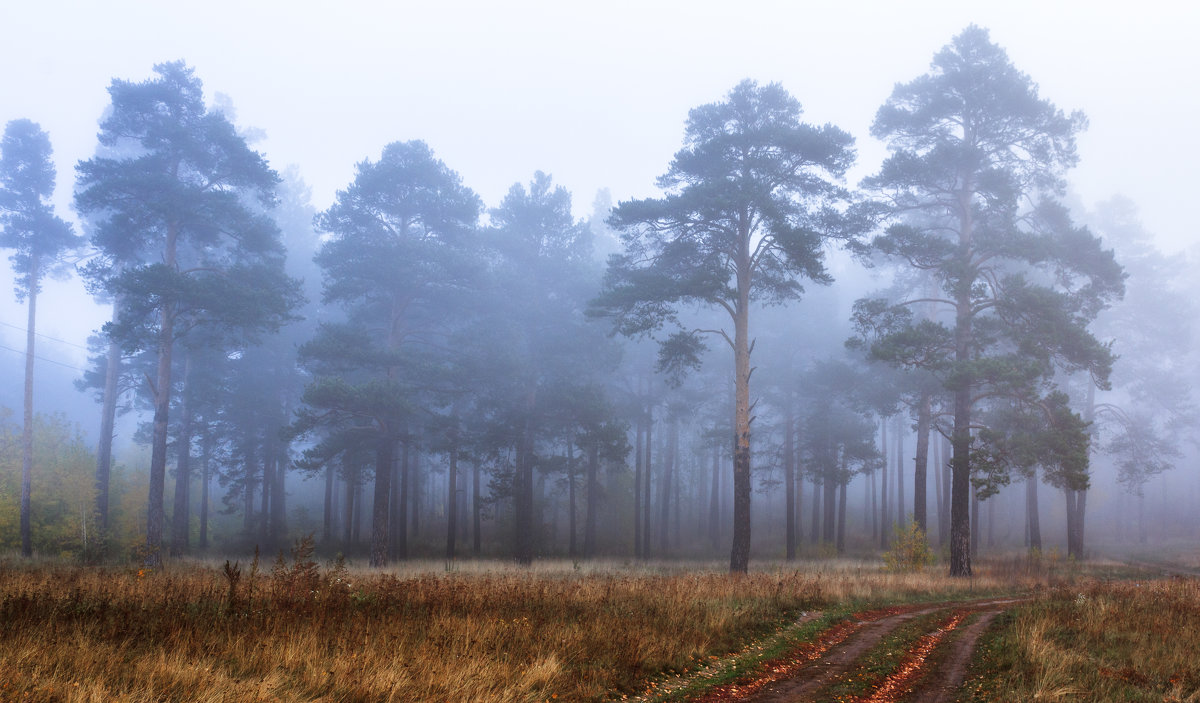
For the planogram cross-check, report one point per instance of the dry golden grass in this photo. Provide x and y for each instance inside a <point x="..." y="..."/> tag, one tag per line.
<point x="1098" y="641"/>
<point x="482" y="632"/>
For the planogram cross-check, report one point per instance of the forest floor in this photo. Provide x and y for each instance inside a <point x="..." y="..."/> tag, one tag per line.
<point x="821" y="630"/>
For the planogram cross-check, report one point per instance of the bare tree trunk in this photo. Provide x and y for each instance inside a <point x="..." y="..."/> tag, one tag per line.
<point x="476" y="510"/>
<point x="646" y="531"/>
<point x="664" y="489"/>
<point x="637" y="487"/>
<point x="523" y="490"/>
<point x="874" y="506"/>
<point x="677" y="472"/>
<point x="268" y="487"/>
<point x="27" y="427"/>
<point x="739" y="556"/>
<point x="799" y="494"/>
<point x="161" y="391"/>
<point x="1031" y="513"/>
<point x="400" y="548"/>
<point x="947" y="478"/>
<point x="180" y="518"/>
<point x="974" y="523"/>
<point x="841" y="523"/>
<point x="570" y="501"/>
<point x="350" y="480"/>
<point x="416" y="484"/>
<point x="901" y="513"/>
<point x="789" y="480"/>
<point x="885" y="524"/>
<point x="938" y="472"/>
<point x="815" y="526"/>
<point x="205" y="485"/>
<point x="714" y="498"/>
<point x="108" y="415"/>
<point x="384" y="452"/>
<point x="830" y="522"/>
<point x="921" y="470"/>
<point x="451" y="499"/>
<point x="327" y="522"/>
<point x="593" y="500"/>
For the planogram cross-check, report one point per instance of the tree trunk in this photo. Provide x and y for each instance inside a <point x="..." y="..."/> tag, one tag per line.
<point x="108" y="415"/>
<point x="384" y="453"/>
<point x="248" y="460"/>
<point x="960" y="494"/>
<point x="789" y="481"/>
<point x="646" y="532"/>
<point x="974" y="523"/>
<point x="523" y="490"/>
<point x="327" y="513"/>
<point x="938" y="472"/>
<point x="1031" y="513"/>
<point x="873" y="504"/>
<point x="155" y="512"/>
<point x="279" y="490"/>
<point x="571" y="552"/>
<point x="593" y="500"/>
<point x="830" y="511"/>
<point x="205" y="485"/>
<point x="348" y="513"/>
<point x="901" y="513"/>
<point x="714" y="498"/>
<point x="664" y="490"/>
<point x="637" y="488"/>
<point x="947" y="454"/>
<point x="451" y="499"/>
<point x="815" y="526"/>
<point x="921" y="470"/>
<point x="991" y="522"/>
<point x="1076" y="502"/>
<point x="677" y="483"/>
<point x="400" y="548"/>
<point x="799" y="495"/>
<point x="885" y="525"/>
<point x="27" y="428"/>
<point x="268" y="487"/>
<point x="476" y="510"/>
<point x="739" y="557"/>
<point x="416" y="490"/>
<point x="180" y="518"/>
<point x="841" y="523"/>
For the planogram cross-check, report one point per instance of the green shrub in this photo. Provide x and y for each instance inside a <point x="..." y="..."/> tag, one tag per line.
<point x="910" y="549"/>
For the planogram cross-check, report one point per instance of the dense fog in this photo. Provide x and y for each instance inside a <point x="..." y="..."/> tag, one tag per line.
<point x="792" y="338"/>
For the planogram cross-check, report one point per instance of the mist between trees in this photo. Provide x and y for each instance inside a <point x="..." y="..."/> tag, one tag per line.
<point x="412" y="373"/>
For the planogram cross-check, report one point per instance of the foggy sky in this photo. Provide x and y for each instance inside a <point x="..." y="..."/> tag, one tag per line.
<point x="594" y="94"/>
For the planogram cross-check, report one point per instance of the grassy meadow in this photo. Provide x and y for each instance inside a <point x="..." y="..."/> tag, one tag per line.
<point x="297" y="630"/>
<point x="1129" y="640"/>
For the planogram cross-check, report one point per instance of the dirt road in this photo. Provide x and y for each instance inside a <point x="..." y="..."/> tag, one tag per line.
<point x="931" y="668"/>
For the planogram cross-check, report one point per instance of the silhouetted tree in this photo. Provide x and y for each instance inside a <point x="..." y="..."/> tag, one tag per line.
<point x="182" y="202"/>
<point x="39" y="239"/>
<point x="975" y="155"/>
<point x="751" y="204"/>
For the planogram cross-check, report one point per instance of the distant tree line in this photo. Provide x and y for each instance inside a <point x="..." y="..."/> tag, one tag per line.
<point x="461" y="379"/>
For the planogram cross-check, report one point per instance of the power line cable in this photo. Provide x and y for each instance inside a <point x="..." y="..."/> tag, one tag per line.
<point x="45" y="336"/>
<point x="42" y="358"/>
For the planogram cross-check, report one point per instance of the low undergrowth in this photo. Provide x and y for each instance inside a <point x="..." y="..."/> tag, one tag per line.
<point x="300" y="631"/>
<point x="1095" y="641"/>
